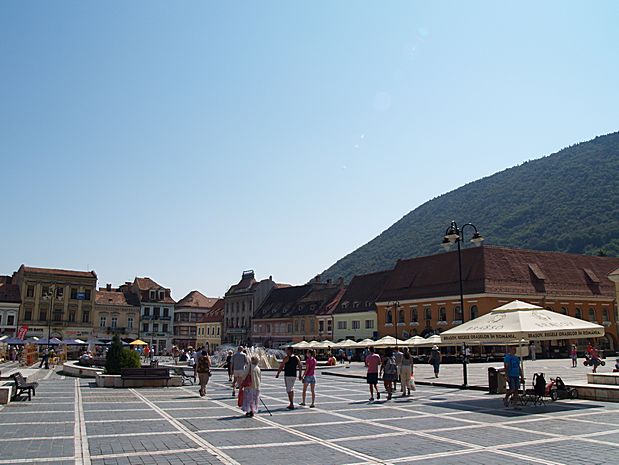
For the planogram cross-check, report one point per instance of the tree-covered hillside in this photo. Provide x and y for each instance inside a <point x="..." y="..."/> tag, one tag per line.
<point x="567" y="201"/>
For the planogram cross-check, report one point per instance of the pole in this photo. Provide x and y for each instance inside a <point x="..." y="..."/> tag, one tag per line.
<point x="464" y="367"/>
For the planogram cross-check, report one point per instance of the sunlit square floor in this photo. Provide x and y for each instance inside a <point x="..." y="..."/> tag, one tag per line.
<point x="72" y="422"/>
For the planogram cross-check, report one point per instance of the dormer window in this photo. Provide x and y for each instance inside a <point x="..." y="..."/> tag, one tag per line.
<point x="345" y="305"/>
<point x="161" y="295"/>
<point x="151" y="295"/>
<point x="355" y="305"/>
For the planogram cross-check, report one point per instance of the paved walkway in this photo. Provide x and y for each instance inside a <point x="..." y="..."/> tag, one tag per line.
<point x="72" y="422"/>
<point x="478" y="372"/>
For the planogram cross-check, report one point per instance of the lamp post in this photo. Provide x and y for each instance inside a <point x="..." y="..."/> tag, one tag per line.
<point x="455" y="234"/>
<point x="396" y="320"/>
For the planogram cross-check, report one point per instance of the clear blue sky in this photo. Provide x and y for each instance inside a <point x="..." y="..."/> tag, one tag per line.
<point x="188" y="141"/>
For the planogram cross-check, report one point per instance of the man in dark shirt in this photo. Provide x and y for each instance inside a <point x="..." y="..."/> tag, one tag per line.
<point x="290" y="364"/>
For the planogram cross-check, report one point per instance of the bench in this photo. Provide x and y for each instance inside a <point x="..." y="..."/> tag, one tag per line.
<point x="145" y="374"/>
<point x="21" y="386"/>
<point x="186" y="378"/>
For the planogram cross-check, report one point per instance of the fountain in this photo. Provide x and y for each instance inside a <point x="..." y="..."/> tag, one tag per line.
<point x="268" y="358"/>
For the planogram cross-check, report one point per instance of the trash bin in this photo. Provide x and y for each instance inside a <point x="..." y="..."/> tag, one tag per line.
<point x="496" y="380"/>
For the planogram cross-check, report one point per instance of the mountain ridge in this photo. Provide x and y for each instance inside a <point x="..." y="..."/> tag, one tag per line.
<point x="574" y="190"/>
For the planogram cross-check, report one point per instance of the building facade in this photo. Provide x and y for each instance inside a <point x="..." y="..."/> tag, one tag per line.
<point x="156" y="313"/>
<point x="10" y="301"/>
<point x="421" y="296"/>
<point x="56" y="302"/>
<point x="314" y="307"/>
<point x="210" y="326"/>
<point x="116" y="311"/>
<point x="187" y="312"/>
<point x="355" y="315"/>
<point x="241" y="301"/>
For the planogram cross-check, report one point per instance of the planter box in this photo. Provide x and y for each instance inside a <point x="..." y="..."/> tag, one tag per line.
<point x="115" y="381"/>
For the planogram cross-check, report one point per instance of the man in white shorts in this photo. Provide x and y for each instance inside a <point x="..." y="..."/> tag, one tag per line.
<point x="240" y="365"/>
<point x="290" y="364"/>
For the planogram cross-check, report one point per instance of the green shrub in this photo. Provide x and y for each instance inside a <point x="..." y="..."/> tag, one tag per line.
<point x="113" y="358"/>
<point x="130" y="359"/>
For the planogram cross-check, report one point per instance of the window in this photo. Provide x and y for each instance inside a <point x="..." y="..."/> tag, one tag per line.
<point x="578" y="313"/>
<point x="428" y="311"/>
<point x="312" y="325"/>
<point x="151" y="295"/>
<point x="0" y="319"/>
<point x="289" y="327"/>
<point x="442" y="314"/>
<point x="156" y="312"/>
<point x="59" y="293"/>
<point x="329" y="326"/>
<point x="30" y="291"/>
<point x="474" y="312"/>
<point x="146" y="311"/>
<point x="74" y="293"/>
<point x="341" y="325"/>
<point x="45" y="291"/>
<point x="414" y="315"/>
<point x="605" y="315"/>
<point x="400" y="316"/>
<point x="42" y="315"/>
<point x="145" y="327"/>
<point x="28" y="315"/>
<point x="218" y="328"/>
<point x="85" y="317"/>
<point x="166" y="312"/>
<point x="389" y="319"/>
<point x="296" y="326"/>
<point x="155" y="327"/>
<point x="102" y="322"/>
<point x="130" y="322"/>
<point x="592" y="314"/>
<point x="458" y="313"/>
<point x="321" y="326"/>
<point x="302" y="326"/>
<point x="164" y="328"/>
<point x="87" y="294"/>
<point x="369" y="324"/>
<point x="356" y="324"/>
<point x="161" y="295"/>
<point x="71" y="317"/>
<point x="10" y="320"/>
<point x="114" y="322"/>
<point x="57" y="315"/>
<point x="563" y="310"/>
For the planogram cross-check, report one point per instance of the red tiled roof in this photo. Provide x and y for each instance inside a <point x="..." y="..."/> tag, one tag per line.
<point x="195" y="299"/>
<point x="9" y="292"/>
<point x="82" y="274"/>
<point x="215" y="314"/>
<point x="500" y="270"/>
<point x="111" y="298"/>
<point x="145" y="284"/>
<point x="362" y="292"/>
<point x="281" y="302"/>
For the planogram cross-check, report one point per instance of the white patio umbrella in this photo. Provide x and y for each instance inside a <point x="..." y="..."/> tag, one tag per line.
<point x="347" y="344"/>
<point x="434" y="340"/>
<point x="519" y="322"/>
<point x="388" y="341"/>
<point x="365" y="343"/>
<point x="300" y="345"/>
<point x="414" y="341"/>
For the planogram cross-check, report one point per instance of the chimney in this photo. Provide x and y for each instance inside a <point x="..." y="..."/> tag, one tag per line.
<point x="317" y="279"/>
<point x="108" y="287"/>
<point x="270" y="277"/>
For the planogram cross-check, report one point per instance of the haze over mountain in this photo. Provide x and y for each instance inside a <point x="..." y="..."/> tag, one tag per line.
<point x="567" y="202"/>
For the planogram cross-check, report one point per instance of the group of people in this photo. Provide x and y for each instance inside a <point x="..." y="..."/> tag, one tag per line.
<point x="246" y="377"/>
<point x="394" y="365"/>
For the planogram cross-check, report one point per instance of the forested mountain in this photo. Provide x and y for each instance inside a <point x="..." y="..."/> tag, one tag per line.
<point x="567" y="202"/>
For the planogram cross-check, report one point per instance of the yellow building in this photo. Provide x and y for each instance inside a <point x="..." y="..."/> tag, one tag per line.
<point x="355" y="315"/>
<point x="116" y="311"/>
<point x="210" y="326"/>
<point x="614" y="277"/>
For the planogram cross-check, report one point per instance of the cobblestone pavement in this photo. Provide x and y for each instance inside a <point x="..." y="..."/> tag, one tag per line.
<point x="71" y="422"/>
<point x="478" y="372"/>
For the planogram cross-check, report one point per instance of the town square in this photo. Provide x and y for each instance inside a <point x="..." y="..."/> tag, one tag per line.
<point x="333" y="233"/>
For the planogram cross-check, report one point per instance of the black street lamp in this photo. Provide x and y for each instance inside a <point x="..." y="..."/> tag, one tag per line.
<point x="455" y="234"/>
<point x="396" y="319"/>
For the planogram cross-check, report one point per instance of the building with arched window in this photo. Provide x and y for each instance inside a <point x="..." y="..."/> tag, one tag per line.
<point x="428" y="288"/>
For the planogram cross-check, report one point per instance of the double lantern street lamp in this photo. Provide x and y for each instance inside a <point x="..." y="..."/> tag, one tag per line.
<point x="455" y="234"/>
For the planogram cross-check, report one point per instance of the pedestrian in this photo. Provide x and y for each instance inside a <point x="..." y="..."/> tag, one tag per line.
<point x="341" y="355"/>
<point x="435" y="359"/>
<point x="228" y="365"/>
<point x="532" y="349"/>
<point x="389" y="371"/>
<point x="596" y="361"/>
<point x="251" y="389"/>
<point x="511" y="364"/>
<point x="309" y="377"/>
<point x="574" y="355"/>
<point x="146" y="351"/>
<point x="398" y="355"/>
<point x="372" y="362"/>
<point x="175" y="354"/>
<point x="290" y="364"/>
<point x="406" y="372"/>
<point x="45" y="359"/>
<point x="203" y="368"/>
<point x="240" y="365"/>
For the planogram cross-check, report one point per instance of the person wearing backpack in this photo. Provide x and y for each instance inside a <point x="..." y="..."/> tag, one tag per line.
<point x="203" y="369"/>
<point x="389" y="371"/>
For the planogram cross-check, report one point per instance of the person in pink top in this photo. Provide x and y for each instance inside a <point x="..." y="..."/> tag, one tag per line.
<point x="372" y="362"/>
<point x="310" y="376"/>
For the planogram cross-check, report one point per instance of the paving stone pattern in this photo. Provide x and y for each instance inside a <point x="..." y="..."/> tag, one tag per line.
<point x="71" y="421"/>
